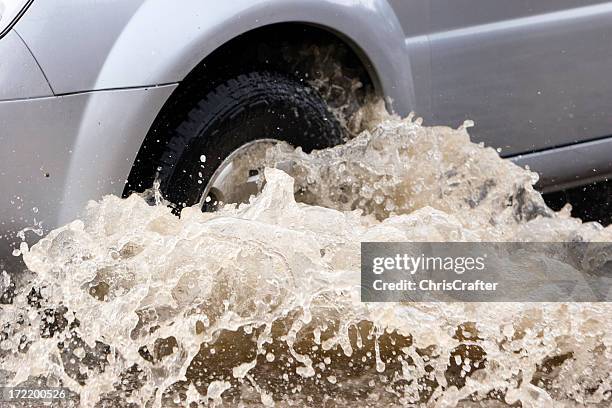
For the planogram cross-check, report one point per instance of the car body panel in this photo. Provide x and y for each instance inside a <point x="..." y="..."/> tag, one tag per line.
<point x="71" y="39"/>
<point x="529" y="82"/>
<point x="414" y="17"/>
<point x="20" y="75"/>
<point x="135" y="43"/>
<point x="570" y="166"/>
<point x="75" y="148"/>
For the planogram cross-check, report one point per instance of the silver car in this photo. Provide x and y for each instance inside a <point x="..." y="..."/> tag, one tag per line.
<point x="105" y="96"/>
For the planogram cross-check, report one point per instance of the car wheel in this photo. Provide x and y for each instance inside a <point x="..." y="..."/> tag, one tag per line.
<point x="215" y="154"/>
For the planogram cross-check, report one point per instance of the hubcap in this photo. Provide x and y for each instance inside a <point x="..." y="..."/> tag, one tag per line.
<point x="238" y="176"/>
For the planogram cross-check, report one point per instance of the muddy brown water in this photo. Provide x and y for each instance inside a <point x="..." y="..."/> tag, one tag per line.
<point x="259" y="304"/>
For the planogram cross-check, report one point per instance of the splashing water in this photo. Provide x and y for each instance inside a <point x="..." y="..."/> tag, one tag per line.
<point x="259" y="304"/>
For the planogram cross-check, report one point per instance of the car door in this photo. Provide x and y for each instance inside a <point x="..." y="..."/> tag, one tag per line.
<point x="532" y="74"/>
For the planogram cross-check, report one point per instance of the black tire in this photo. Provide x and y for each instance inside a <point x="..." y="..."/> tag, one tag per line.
<point x="237" y="111"/>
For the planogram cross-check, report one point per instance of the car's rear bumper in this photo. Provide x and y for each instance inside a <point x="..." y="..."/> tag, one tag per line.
<point x="59" y="152"/>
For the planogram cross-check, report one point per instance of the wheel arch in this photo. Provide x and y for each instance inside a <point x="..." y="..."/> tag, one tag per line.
<point x="178" y="39"/>
<point x="238" y="52"/>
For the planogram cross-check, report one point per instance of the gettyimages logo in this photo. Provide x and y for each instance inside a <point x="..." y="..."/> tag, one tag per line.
<point x="412" y="264"/>
<point x="486" y="272"/>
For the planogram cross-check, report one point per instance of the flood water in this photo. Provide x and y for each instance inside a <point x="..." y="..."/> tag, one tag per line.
<point x="259" y="304"/>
